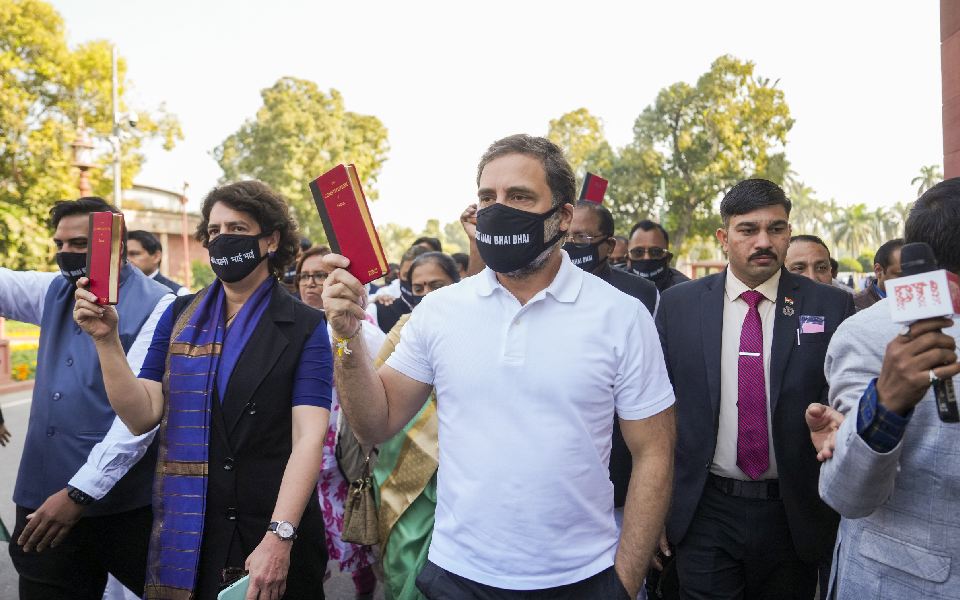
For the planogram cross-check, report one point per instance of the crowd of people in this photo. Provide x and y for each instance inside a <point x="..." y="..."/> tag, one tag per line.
<point x="559" y="413"/>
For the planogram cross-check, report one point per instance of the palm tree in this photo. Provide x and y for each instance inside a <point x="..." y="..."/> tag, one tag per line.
<point x="929" y="176"/>
<point x="806" y="208"/>
<point x="886" y="225"/>
<point x="856" y="229"/>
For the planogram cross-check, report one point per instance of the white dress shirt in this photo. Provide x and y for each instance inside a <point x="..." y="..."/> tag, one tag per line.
<point x="183" y="291"/>
<point x="22" y="295"/>
<point x="526" y="396"/>
<point x="734" y="312"/>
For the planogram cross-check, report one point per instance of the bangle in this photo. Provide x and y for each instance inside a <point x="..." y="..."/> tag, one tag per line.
<point x="340" y="343"/>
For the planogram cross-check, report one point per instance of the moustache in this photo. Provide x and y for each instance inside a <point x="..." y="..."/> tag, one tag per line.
<point x="763" y="253"/>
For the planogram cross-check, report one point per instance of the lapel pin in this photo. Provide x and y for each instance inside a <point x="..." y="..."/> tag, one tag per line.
<point x="788" y="306"/>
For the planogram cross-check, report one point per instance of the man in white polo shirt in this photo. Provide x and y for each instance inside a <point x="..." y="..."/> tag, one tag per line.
<point x="529" y="359"/>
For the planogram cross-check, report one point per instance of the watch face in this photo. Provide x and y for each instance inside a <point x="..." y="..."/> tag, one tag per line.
<point x="285" y="530"/>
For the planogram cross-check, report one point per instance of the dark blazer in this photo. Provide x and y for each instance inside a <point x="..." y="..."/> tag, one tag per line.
<point x="173" y="285"/>
<point x="690" y="321"/>
<point x="631" y="285"/>
<point x="250" y="443"/>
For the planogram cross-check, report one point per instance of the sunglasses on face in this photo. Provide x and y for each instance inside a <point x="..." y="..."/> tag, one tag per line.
<point x="654" y="252"/>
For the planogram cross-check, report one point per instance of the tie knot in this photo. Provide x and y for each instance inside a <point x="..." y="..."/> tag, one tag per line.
<point x="752" y="298"/>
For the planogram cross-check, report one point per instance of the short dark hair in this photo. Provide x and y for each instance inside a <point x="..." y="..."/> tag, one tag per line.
<point x="935" y="219"/>
<point x="314" y="251"/>
<point x="620" y="238"/>
<point x="85" y="206"/>
<point x="885" y="252"/>
<point x="444" y="261"/>
<point x="834" y="265"/>
<point x="813" y="239"/>
<point x="604" y="218"/>
<point x="433" y="242"/>
<point x="81" y="206"/>
<point x="560" y="179"/>
<point x="648" y="225"/>
<point x="751" y="194"/>
<point x="305" y="244"/>
<point x="149" y="241"/>
<point x="267" y="207"/>
<point x="462" y="260"/>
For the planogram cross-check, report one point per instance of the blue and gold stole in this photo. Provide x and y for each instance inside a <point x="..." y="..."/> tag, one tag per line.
<point x="180" y="483"/>
<point x="202" y="355"/>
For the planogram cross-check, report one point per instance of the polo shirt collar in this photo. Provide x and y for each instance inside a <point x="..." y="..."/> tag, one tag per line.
<point x="734" y="287"/>
<point x="565" y="286"/>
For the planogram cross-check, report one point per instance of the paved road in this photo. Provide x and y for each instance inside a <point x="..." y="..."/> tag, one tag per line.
<point x="16" y="411"/>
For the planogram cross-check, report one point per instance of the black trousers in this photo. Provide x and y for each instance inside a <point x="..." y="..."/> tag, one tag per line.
<point x="741" y="549"/>
<point x="77" y="568"/>
<point x="439" y="584"/>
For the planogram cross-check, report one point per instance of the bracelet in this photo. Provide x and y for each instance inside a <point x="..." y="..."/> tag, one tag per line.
<point x="340" y="343"/>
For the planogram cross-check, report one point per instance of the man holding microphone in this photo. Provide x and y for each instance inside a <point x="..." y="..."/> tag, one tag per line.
<point x="892" y="468"/>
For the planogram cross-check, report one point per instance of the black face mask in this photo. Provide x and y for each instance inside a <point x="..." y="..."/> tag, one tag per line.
<point x="406" y="292"/>
<point x="234" y="256"/>
<point x="509" y="239"/>
<point x="73" y="266"/>
<point x="587" y="257"/>
<point x="651" y="268"/>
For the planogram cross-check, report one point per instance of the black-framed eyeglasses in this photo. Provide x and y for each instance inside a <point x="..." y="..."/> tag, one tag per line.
<point x="582" y="240"/>
<point x="640" y="252"/>
<point x="317" y="277"/>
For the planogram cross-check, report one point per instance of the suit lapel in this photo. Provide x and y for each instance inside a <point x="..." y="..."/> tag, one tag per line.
<point x="711" y="328"/>
<point x="258" y="358"/>
<point x="784" y="332"/>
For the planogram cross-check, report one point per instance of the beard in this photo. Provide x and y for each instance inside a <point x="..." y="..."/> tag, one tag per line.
<point x="551" y="228"/>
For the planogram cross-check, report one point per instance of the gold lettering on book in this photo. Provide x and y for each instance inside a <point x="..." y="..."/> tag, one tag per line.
<point x="336" y="190"/>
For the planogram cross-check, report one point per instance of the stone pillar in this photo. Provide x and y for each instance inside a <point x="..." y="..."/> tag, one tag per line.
<point x="950" y="77"/>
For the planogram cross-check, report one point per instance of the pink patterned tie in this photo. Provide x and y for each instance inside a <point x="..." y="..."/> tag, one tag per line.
<point x="753" y="446"/>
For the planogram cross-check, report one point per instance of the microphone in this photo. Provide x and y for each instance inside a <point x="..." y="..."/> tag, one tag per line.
<point x="926" y="292"/>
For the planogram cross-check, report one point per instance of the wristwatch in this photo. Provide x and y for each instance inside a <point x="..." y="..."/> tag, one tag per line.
<point x="79" y="496"/>
<point x="284" y="530"/>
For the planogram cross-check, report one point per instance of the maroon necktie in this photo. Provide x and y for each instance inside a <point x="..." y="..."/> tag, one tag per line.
<point x="753" y="446"/>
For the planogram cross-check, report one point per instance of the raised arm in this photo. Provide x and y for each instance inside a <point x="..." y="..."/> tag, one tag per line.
<point x="138" y="402"/>
<point x="377" y="404"/>
<point x="22" y="294"/>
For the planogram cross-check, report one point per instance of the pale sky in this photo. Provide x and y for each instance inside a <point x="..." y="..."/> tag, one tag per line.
<point x="862" y="79"/>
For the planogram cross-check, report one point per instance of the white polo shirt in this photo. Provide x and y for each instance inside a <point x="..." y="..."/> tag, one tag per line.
<point x="525" y="398"/>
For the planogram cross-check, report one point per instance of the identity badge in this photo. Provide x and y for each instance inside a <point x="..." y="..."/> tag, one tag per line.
<point x="812" y="324"/>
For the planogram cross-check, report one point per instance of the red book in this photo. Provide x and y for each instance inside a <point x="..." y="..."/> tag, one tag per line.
<point x="103" y="256"/>
<point x="347" y="223"/>
<point x="594" y="187"/>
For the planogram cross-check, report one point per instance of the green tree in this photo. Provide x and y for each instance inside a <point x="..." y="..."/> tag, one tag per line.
<point x="454" y="238"/>
<point x="395" y="239"/>
<point x="46" y="88"/>
<point x="807" y="211"/>
<point x="580" y="134"/>
<point x="929" y="176"/>
<point x="856" y="229"/>
<point x="701" y="139"/>
<point x="299" y="133"/>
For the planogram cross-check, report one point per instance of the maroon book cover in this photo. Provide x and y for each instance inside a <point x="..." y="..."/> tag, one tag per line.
<point x="347" y="223"/>
<point x="104" y="242"/>
<point x="594" y="187"/>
